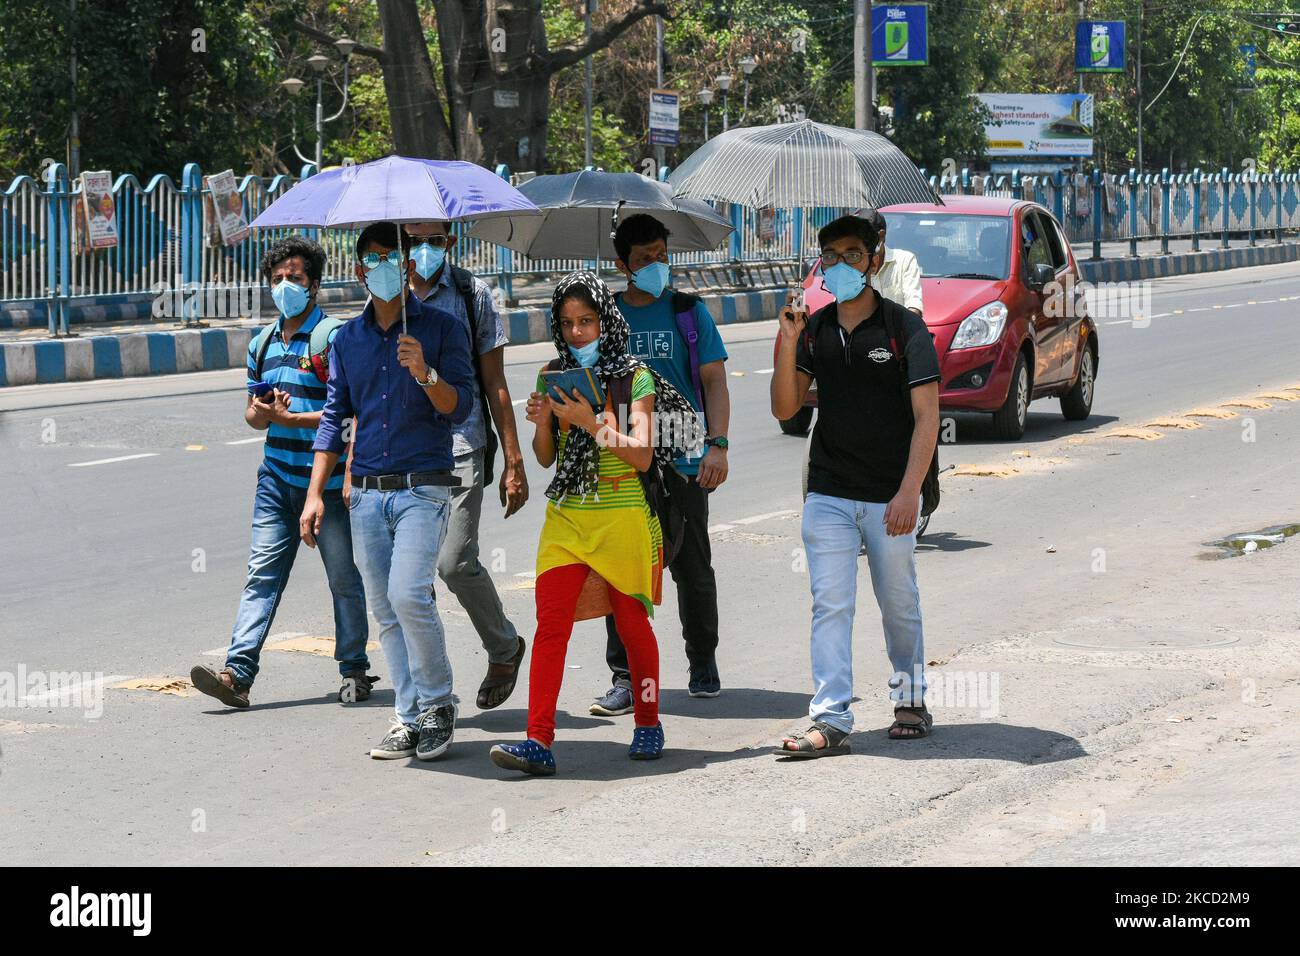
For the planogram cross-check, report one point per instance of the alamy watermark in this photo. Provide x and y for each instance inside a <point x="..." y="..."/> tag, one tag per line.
<point x="77" y="690"/>
<point x="198" y="300"/>
<point x="1101" y="300"/>
<point x="667" y="429"/>
<point x="978" y="690"/>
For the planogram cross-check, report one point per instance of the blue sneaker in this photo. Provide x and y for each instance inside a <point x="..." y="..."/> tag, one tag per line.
<point x="529" y="756"/>
<point x="616" y="702"/>
<point x="647" y="743"/>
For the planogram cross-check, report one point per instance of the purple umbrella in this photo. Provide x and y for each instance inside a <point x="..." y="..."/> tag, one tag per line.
<point x="397" y="190"/>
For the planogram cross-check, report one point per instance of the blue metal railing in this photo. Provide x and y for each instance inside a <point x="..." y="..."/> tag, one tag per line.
<point x="166" y="234"/>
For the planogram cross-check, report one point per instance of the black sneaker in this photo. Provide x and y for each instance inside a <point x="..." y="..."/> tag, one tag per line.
<point x="437" y="727"/>
<point x="400" y="741"/>
<point x="704" y="681"/>
<point x="356" y="687"/>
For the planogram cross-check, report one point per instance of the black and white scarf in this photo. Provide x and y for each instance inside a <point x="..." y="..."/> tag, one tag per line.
<point x="577" y="471"/>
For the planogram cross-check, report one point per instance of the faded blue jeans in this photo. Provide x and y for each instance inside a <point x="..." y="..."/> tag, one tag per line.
<point x="397" y="536"/>
<point x="277" y="509"/>
<point x="834" y="530"/>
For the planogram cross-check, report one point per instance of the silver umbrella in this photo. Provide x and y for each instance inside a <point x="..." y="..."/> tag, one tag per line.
<point x="801" y="164"/>
<point x="579" y="211"/>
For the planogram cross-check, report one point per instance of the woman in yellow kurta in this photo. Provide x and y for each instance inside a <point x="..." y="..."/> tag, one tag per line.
<point x="598" y="521"/>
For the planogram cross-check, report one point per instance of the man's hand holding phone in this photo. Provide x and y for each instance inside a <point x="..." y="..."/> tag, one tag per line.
<point x="794" y="317"/>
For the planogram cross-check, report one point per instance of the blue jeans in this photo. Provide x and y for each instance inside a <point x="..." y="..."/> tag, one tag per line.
<point x="277" y="509"/>
<point x="834" y="530"/>
<point x="398" y="535"/>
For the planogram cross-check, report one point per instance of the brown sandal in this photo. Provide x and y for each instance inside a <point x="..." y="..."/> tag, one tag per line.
<point x="911" y="730"/>
<point x="219" y="684"/>
<point x="507" y="681"/>
<point x="836" y="743"/>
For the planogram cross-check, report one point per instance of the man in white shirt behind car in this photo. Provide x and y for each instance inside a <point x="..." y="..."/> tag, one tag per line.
<point x="898" y="274"/>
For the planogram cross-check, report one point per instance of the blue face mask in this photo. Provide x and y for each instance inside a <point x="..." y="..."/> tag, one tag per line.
<point x="844" y="282"/>
<point x="384" y="281"/>
<point x="428" y="259"/>
<point x="651" y="279"/>
<point x="290" y="298"/>
<point x="587" y="354"/>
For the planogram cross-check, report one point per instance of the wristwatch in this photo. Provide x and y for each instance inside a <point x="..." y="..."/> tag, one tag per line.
<point x="430" y="379"/>
<point x="720" y="442"/>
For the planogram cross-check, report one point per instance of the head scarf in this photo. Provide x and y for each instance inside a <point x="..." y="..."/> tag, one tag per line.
<point x="577" y="472"/>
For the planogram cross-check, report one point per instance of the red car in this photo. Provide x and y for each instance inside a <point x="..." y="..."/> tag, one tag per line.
<point x="1002" y="341"/>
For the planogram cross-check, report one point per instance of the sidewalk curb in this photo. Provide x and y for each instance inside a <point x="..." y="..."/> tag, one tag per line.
<point x="1187" y="263"/>
<point x="199" y="350"/>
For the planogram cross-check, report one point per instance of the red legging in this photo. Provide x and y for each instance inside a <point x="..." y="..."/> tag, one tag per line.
<point x="557" y="597"/>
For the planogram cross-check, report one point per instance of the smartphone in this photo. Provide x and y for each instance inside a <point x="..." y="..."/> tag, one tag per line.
<point x="796" y="300"/>
<point x="260" y="389"/>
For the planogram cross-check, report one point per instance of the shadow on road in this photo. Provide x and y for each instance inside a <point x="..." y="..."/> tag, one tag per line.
<point x="516" y="720"/>
<point x="947" y="541"/>
<point x="379" y="700"/>
<point x="986" y="741"/>
<point x="736" y="703"/>
<point x="581" y="760"/>
<point x="976" y="428"/>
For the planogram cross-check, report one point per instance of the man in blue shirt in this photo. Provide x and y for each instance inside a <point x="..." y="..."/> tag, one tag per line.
<point x="651" y="309"/>
<point x="289" y="413"/>
<point x="403" y="392"/>
<point x="439" y="283"/>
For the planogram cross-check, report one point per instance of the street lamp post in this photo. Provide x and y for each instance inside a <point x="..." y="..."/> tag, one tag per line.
<point x="723" y="81"/>
<point x="293" y="86"/>
<point x="705" y="97"/>
<point x="747" y="65"/>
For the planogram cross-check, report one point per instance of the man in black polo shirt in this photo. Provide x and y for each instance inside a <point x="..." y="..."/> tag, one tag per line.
<point x="877" y="425"/>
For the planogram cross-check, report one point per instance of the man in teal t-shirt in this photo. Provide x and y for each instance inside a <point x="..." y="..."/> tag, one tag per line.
<point x="641" y="243"/>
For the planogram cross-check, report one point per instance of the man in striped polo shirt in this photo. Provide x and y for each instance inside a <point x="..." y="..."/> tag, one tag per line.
<point x="282" y="357"/>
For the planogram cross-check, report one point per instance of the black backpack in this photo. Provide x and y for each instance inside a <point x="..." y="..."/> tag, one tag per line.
<point x="667" y="508"/>
<point x="929" y="484"/>
<point x="464" y="281"/>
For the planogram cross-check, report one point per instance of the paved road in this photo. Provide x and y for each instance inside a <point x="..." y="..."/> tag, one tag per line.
<point x="100" y="577"/>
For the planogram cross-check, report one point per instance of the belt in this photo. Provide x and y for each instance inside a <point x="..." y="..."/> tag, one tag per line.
<point x="409" y="480"/>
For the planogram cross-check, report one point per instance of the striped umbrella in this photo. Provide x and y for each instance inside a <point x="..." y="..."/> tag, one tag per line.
<point x="801" y="164"/>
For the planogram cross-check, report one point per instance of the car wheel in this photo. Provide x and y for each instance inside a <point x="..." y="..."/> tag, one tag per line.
<point x="1009" y="420"/>
<point x="799" y="422"/>
<point x="1076" y="404"/>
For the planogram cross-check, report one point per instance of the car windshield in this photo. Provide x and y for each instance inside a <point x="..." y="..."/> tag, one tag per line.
<point x="949" y="245"/>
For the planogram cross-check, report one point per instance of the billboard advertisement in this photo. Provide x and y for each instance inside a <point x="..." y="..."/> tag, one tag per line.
<point x="665" y="118"/>
<point x="1038" y="124"/>
<point x="1099" y="46"/>
<point x="899" y="35"/>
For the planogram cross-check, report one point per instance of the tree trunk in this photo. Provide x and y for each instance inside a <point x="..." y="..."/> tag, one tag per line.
<point x="497" y="70"/>
<point x="414" y="105"/>
<point x="498" y="102"/>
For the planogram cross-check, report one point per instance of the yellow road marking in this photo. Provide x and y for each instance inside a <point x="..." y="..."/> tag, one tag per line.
<point x="311" y="644"/>
<point x="176" y="686"/>
<point x="1209" y="413"/>
<point x="1172" y="423"/>
<point x="1143" y="434"/>
<point x="982" y="471"/>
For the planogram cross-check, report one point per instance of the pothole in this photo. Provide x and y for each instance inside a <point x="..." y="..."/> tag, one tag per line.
<point x="1248" y="542"/>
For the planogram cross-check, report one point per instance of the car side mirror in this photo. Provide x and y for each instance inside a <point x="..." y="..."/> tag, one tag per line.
<point x="1040" y="276"/>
